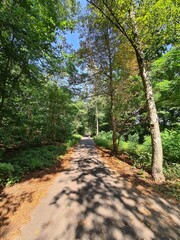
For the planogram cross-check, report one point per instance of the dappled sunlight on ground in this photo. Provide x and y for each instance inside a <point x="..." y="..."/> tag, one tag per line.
<point x="18" y="201"/>
<point x="91" y="201"/>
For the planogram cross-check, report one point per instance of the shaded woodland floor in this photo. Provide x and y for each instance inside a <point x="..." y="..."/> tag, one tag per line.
<point x="93" y="198"/>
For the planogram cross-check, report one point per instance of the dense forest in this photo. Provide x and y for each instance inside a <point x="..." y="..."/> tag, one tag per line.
<point x="122" y="85"/>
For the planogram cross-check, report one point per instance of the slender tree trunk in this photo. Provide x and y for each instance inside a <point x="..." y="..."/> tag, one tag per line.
<point x="157" y="151"/>
<point x="113" y="123"/>
<point x="112" y="92"/>
<point x="97" y="120"/>
<point x="113" y="120"/>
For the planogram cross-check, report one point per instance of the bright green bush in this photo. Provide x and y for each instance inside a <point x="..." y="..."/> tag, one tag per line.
<point x="74" y="140"/>
<point x="104" y="139"/>
<point x="171" y="146"/>
<point x="37" y="158"/>
<point x="141" y="153"/>
<point x="39" y="163"/>
<point x="32" y="159"/>
<point x="172" y="171"/>
<point x="133" y="138"/>
<point x="6" y="171"/>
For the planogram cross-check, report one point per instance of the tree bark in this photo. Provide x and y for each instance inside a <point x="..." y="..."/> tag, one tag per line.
<point x="157" y="151"/>
<point x="113" y="123"/>
<point x="97" y="120"/>
<point x="112" y="93"/>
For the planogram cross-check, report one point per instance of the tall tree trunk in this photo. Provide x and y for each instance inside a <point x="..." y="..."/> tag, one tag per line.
<point x="97" y="119"/>
<point x="157" y="151"/>
<point x="112" y="92"/>
<point x="113" y="123"/>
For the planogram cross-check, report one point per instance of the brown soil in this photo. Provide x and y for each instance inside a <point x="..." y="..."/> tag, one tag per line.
<point x="18" y="201"/>
<point x="138" y="178"/>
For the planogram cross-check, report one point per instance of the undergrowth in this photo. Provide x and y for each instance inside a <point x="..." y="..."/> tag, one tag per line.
<point x="141" y="155"/>
<point x="15" y="165"/>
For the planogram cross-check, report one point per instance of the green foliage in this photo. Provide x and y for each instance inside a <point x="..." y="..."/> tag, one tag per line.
<point x="171" y="146"/>
<point x="170" y="189"/>
<point x="27" y="30"/>
<point x="2" y="151"/>
<point x="12" y="169"/>
<point x="155" y="21"/>
<point x="6" y="171"/>
<point x="61" y="114"/>
<point x="74" y="140"/>
<point x="165" y="76"/>
<point x="172" y="171"/>
<point x="81" y="118"/>
<point x="36" y="116"/>
<point x="141" y="153"/>
<point x="104" y="139"/>
<point x="33" y="109"/>
<point x="33" y="159"/>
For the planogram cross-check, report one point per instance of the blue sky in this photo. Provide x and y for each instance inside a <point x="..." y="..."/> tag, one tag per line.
<point x="73" y="38"/>
<point x="83" y="3"/>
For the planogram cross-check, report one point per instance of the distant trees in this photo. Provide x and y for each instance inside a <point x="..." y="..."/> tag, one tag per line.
<point x="148" y="26"/>
<point x="99" y="51"/>
<point x="36" y="116"/>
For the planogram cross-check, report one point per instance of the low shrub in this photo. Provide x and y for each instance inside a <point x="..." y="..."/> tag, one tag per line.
<point x="171" y="146"/>
<point x="6" y="171"/>
<point x="36" y="163"/>
<point x="2" y="151"/>
<point x="104" y="139"/>
<point x="141" y="153"/>
<point x="74" y="140"/>
<point x="12" y="169"/>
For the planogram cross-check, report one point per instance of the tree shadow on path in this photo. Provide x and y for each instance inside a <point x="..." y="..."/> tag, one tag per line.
<point x="97" y="204"/>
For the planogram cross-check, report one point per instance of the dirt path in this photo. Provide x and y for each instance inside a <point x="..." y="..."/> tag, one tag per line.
<point x="89" y="201"/>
